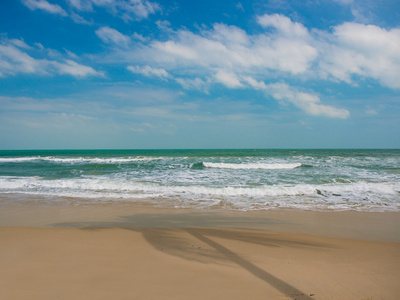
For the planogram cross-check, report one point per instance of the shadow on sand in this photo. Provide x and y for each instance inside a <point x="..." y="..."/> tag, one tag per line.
<point x="192" y="237"/>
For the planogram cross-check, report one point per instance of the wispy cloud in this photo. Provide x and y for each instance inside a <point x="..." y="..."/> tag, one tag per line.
<point x="137" y="9"/>
<point x="127" y="10"/>
<point x="72" y="68"/>
<point x="14" y="59"/>
<point x="111" y="36"/>
<point x="193" y="84"/>
<point x="132" y="10"/>
<point x="46" y="6"/>
<point x="360" y="9"/>
<point x="307" y="102"/>
<point x="149" y="71"/>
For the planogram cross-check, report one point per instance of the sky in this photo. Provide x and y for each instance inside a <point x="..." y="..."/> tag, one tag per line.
<point x="138" y="74"/>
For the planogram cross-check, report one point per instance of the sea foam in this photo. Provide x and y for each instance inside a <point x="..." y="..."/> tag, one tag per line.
<point x="208" y="179"/>
<point x="265" y="166"/>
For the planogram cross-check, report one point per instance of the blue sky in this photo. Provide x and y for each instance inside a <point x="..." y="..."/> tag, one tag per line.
<point x="199" y="74"/>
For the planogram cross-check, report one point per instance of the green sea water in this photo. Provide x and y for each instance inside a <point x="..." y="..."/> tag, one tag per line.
<point x="367" y="180"/>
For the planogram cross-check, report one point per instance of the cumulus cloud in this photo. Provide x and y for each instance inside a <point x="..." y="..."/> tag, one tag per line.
<point x="227" y="35"/>
<point x="280" y="51"/>
<point x="230" y="56"/>
<point x="14" y="59"/>
<point x="364" y="50"/>
<point x="230" y="47"/>
<point x="283" y="25"/>
<point x="149" y="71"/>
<point x="350" y="51"/>
<point x="46" y="6"/>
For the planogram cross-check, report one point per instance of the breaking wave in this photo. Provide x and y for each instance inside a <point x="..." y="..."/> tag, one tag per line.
<point x="252" y="166"/>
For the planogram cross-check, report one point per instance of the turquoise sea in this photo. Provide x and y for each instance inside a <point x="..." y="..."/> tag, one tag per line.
<point x="363" y="180"/>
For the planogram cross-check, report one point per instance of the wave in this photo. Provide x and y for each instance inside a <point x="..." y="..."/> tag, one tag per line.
<point x="72" y="160"/>
<point x="127" y="160"/>
<point x="358" y="195"/>
<point x="263" y="166"/>
<point x="18" y="159"/>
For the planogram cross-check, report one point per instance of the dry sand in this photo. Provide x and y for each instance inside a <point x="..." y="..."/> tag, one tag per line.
<point x="124" y="253"/>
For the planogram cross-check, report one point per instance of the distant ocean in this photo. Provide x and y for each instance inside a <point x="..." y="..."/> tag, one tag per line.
<point x="362" y="180"/>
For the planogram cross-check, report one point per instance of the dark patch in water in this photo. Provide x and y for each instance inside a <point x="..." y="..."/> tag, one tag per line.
<point x="305" y="166"/>
<point x="198" y="166"/>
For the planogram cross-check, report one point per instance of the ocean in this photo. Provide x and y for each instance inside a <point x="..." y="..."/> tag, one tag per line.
<point x="321" y="180"/>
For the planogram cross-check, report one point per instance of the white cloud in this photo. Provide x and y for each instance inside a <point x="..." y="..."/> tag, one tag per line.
<point x="228" y="55"/>
<point x="310" y="103"/>
<point x="239" y="6"/>
<point x="149" y="71"/>
<point x="46" y="6"/>
<point x="110" y="35"/>
<point x="163" y="25"/>
<point x="283" y="25"/>
<point x="14" y="59"/>
<point x="350" y="52"/>
<point x="128" y="10"/>
<point x="362" y="11"/>
<point x="81" y="5"/>
<point x="228" y="79"/>
<point x="344" y="2"/>
<point x="193" y="84"/>
<point x="22" y="44"/>
<point x="140" y="9"/>
<point x="371" y="112"/>
<point x="364" y="50"/>
<point x="171" y="50"/>
<point x="307" y="102"/>
<point x="230" y="47"/>
<point x="72" y="68"/>
<point x="228" y="35"/>
<point x="80" y="20"/>
<point x="139" y="37"/>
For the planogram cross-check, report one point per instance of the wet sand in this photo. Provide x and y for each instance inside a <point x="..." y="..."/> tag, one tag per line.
<point x="145" y="253"/>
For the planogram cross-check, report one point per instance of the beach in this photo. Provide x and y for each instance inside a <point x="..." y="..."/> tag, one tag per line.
<point x="103" y="252"/>
<point x="199" y="150"/>
<point x="200" y="224"/>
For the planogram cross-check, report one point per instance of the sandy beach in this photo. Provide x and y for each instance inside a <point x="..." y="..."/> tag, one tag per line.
<point x="140" y="253"/>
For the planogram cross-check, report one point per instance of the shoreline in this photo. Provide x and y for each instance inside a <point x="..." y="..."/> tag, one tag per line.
<point x="104" y="252"/>
<point x="373" y="226"/>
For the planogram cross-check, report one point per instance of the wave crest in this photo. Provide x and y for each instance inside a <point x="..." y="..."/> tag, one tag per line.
<point x="262" y="166"/>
